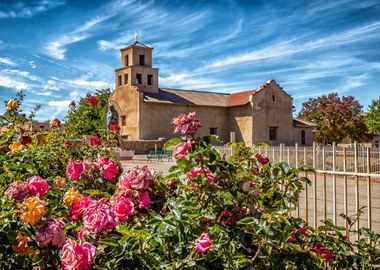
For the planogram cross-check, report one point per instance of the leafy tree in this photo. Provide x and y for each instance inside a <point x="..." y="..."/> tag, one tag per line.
<point x="373" y="116"/>
<point x="336" y="118"/>
<point x="88" y="117"/>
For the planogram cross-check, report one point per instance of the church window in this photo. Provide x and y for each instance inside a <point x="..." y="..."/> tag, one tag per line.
<point x="142" y="59"/>
<point x="123" y="121"/>
<point x="150" y="79"/>
<point x="272" y="133"/>
<point x="213" y="131"/>
<point x="119" y="80"/>
<point x="125" y="78"/>
<point x="273" y="98"/>
<point x="138" y="79"/>
<point x="127" y="60"/>
<point x="303" y="137"/>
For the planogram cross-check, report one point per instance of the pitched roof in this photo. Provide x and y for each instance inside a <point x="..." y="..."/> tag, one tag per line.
<point x="302" y="123"/>
<point x="203" y="98"/>
<point x="135" y="44"/>
<point x="187" y="97"/>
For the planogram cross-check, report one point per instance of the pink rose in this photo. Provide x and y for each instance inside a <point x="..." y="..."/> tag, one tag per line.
<point x="187" y="124"/>
<point x="181" y="149"/>
<point x="204" y="243"/>
<point x="77" y="256"/>
<point x="17" y="190"/>
<point x="145" y="201"/>
<point x="195" y="172"/>
<point x="79" y="207"/>
<point x="98" y="217"/>
<point x="37" y="185"/>
<point x="302" y="231"/>
<point x="138" y="179"/>
<point x="75" y="169"/>
<point x="51" y="231"/>
<point x="95" y="140"/>
<point x="263" y="159"/>
<point x="107" y="166"/>
<point x="123" y="208"/>
<point x="292" y="238"/>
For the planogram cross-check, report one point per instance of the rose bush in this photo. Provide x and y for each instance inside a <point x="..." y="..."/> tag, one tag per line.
<point x="69" y="206"/>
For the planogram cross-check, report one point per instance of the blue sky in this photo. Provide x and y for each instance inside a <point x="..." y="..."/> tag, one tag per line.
<point x="58" y="50"/>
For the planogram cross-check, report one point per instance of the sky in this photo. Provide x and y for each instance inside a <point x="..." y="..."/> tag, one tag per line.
<point x="56" y="51"/>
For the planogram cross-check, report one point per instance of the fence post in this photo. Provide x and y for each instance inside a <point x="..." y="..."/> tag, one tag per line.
<point x="298" y="204"/>
<point x="345" y="186"/>
<point x="324" y="184"/>
<point x="356" y="186"/>
<point x="369" y="188"/>
<point x="315" y="186"/>
<point x="334" y="183"/>
<point x="306" y="189"/>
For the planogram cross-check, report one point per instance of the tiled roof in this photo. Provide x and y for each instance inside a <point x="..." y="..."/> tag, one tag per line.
<point x="302" y="123"/>
<point x="202" y="98"/>
<point x="187" y="97"/>
<point x="240" y="98"/>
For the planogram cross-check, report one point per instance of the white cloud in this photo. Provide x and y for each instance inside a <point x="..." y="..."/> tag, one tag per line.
<point x="57" y="48"/>
<point x="7" y="61"/>
<point x="59" y="103"/>
<point x="21" y="73"/>
<point x="21" y="10"/>
<point x="8" y="82"/>
<point x="32" y="64"/>
<point x="293" y="46"/>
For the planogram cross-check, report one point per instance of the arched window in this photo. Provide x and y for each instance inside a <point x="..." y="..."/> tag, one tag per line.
<point x="303" y="137"/>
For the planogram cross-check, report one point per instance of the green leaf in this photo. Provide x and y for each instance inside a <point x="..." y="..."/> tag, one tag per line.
<point x="172" y="142"/>
<point x="247" y="221"/>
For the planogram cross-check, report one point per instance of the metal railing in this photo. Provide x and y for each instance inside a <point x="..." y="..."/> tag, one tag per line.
<point x="346" y="178"/>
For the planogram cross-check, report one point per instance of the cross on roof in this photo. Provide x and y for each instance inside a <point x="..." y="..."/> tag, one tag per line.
<point x="136" y="36"/>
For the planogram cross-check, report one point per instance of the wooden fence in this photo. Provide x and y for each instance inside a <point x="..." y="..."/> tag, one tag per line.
<point x="346" y="179"/>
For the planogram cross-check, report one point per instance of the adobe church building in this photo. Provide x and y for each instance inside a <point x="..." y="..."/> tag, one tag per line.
<point x="145" y="111"/>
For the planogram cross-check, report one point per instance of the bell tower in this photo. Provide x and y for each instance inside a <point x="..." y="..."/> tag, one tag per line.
<point x="137" y="70"/>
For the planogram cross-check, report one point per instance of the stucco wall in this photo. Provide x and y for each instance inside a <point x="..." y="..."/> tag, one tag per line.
<point x="240" y="121"/>
<point x="128" y="101"/>
<point x="155" y="120"/>
<point x="268" y="113"/>
<point x="309" y="136"/>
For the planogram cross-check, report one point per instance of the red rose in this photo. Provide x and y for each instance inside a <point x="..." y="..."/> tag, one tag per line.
<point x="37" y="185"/>
<point x="93" y="100"/>
<point x="227" y="218"/>
<point x="26" y="140"/>
<point x="123" y="208"/>
<point x="115" y="127"/>
<point x="95" y="140"/>
<point x="204" y="243"/>
<point x="79" y="207"/>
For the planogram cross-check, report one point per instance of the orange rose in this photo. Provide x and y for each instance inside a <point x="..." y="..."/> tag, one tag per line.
<point x="72" y="196"/>
<point x="14" y="147"/>
<point x="35" y="209"/>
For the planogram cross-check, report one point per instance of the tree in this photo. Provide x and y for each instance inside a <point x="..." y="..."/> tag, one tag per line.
<point x="88" y="117"/>
<point x="373" y="116"/>
<point x="336" y="118"/>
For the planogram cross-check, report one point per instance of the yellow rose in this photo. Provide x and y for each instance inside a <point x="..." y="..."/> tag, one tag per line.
<point x="14" y="147"/>
<point x="12" y="104"/>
